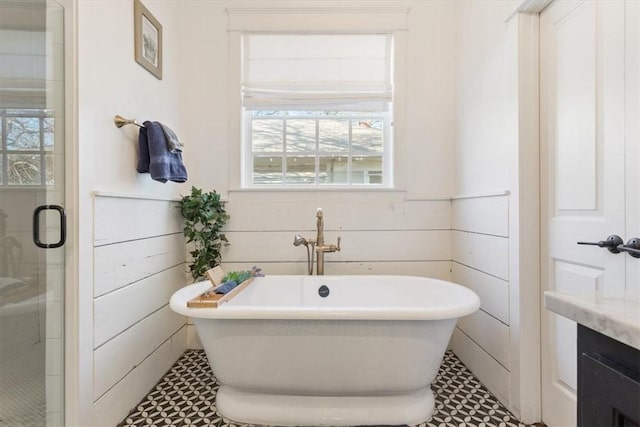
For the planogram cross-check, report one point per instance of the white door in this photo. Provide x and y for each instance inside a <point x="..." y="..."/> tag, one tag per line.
<point x="582" y="131"/>
<point x="632" y="138"/>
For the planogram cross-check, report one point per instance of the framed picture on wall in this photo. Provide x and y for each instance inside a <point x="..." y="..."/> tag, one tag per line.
<point x="148" y="39"/>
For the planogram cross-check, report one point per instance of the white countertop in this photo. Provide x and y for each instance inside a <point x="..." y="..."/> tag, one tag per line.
<point x="616" y="318"/>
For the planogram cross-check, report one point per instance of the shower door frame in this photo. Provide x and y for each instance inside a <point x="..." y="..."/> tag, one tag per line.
<point x="61" y="267"/>
<point x="73" y="388"/>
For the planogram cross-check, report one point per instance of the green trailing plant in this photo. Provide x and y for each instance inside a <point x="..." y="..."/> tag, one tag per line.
<point x="242" y="275"/>
<point x="204" y="217"/>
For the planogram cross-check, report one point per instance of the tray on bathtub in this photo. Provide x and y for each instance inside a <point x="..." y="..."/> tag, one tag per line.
<point x="210" y="299"/>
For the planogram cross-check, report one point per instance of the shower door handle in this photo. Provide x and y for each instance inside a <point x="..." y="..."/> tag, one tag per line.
<point x="36" y="226"/>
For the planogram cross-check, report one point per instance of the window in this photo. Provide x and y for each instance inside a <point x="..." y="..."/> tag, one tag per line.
<point x="317" y="110"/>
<point x="26" y="148"/>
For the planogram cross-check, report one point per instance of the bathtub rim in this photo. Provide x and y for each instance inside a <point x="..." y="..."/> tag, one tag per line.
<point x="178" y="303"/>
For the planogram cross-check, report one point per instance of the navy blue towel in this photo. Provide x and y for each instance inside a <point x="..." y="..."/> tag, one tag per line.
<point x="155" y="157"/>
<point x="226" y="287"/>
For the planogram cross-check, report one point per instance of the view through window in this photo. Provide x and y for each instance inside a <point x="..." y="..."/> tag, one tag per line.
<point x="317" y="147"/>
<point x="26" y="150"/>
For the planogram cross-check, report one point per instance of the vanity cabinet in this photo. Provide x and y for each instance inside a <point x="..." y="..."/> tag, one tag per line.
<point x="608" y="381"/>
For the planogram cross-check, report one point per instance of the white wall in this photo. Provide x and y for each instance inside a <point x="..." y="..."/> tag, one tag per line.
<point x="481" y="146"/>
<point x="425" y="148"/>
<point x="481" y="238"/>
<point x="123" y="282"/>
<point x="495" y="237"/>
<point x="426" y="154"/>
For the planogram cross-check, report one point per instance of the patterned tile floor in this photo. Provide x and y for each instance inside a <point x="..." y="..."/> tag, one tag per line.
<point x="186" y="397"/>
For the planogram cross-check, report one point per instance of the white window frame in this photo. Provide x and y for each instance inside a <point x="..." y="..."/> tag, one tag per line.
<point x="387" y="18"/>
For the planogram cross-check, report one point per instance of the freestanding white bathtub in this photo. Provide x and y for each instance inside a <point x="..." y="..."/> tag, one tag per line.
<point x="366" y="353"/>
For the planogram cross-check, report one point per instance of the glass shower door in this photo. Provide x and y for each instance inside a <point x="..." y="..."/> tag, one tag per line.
<point x="31" y="176"/>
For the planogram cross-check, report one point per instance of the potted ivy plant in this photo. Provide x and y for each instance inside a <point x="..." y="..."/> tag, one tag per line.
<point x="204" y="216"/>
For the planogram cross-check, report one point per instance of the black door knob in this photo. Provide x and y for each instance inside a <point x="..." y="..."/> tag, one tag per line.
<point x="612" y="243"/>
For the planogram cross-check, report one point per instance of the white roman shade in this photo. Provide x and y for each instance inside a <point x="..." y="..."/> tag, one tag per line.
<point x="312" y="71"/>
<point x="23" y="69"/>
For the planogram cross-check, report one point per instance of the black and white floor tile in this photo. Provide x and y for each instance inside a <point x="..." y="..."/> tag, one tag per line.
<point x="186" y="396"/>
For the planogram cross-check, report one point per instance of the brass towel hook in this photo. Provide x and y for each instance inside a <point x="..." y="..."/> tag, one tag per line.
<point x="121" y="121"/>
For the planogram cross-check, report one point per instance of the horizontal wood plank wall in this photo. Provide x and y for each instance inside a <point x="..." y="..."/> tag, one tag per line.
<point x="120" y="265"/>
<point x="113" y="406"/>
<point x="493" y="375"/>
<point x="139" y="259"/>
<point x="435" y="269"/>
<point x="480" y="245"/>
<point x="381" y="233"/>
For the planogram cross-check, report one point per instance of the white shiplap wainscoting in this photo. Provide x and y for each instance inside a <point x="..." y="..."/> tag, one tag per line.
<point x="480" y="227"/>
<point x="381" y="232"/>
<point x="139" y="261"/>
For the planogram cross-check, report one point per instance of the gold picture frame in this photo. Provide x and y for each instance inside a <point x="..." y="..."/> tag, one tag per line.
<point x="147" y="39"/>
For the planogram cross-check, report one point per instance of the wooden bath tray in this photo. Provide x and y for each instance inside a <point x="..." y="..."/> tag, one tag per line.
<point x="210" y="299"/>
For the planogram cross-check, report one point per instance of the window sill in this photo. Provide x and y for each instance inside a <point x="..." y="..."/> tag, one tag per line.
<point x="335" y="193"/>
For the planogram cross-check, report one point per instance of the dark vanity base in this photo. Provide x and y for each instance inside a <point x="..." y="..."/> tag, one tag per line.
<point x="608" y="381"/>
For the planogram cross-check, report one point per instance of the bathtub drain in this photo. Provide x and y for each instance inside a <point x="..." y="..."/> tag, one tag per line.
<point x="323" y="291"/>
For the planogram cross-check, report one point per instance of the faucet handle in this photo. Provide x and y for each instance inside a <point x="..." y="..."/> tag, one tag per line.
<point x="338" y="246"/>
